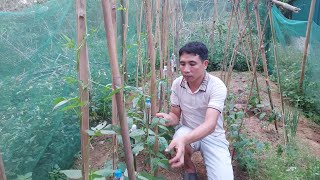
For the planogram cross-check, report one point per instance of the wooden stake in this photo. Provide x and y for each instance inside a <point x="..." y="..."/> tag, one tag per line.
<point x="153" y="92"/>
<point x="114" y="101"/>
<point x="264" y="58"/>
<point x="304" y="58"/>
<point x="253" y="63"/>
<point x="139" y="59"/>
<point x="2" y="170"/>
<point x="83" y="75"/>
<point x="112" y="49"/>
<point x="224" y="64"/>
<point x="214" y="20"/>
<point x="278" y="74"/>
<point x="124" y="23"/>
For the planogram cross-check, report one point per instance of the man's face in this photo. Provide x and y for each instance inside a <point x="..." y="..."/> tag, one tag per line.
<point x="192" y="68"/>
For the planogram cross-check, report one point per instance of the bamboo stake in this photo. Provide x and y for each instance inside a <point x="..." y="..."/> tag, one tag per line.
<point x="254" y="77"/>
<point x="164" y="43"/>
<point x="214" y="20"/>
<point x="112" y="49"/>
<point x="177" y="39"/>
<point x="83" y="65"/>
<point x="278" y="74"/>
<point x="158" y="38"/>
<point x="139" y="59"/>
<point x="250" y="45"/>
<point x="304" y="58"/>
<point x="224" y="64"/>
<point x="152" y="57"/>
<point x="241" y="33"/>
<point x="264" y="58"/>
<point x="2" y="170"/>
<point x="114" y="102"/>
<point x="124" y="23"/>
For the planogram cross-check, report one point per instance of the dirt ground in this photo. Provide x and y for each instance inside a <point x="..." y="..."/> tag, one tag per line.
<point x="308" y="132"/>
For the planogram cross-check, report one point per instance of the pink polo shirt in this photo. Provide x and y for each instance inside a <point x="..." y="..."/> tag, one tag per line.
<point x="211" y="94"/>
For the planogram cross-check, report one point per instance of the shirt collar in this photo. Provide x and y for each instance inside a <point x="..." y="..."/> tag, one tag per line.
<point x="203" y="86"/>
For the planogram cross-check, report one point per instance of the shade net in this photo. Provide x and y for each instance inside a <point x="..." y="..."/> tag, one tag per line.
<point x="290" y="38"/>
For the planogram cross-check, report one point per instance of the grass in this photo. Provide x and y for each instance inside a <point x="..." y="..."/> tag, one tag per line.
<point x="287" y="163"/>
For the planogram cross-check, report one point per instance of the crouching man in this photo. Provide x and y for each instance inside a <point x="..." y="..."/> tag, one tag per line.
<point x="197" y="102"/>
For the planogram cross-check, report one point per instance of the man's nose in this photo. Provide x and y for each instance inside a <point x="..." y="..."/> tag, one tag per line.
<point x="186" y="69"/>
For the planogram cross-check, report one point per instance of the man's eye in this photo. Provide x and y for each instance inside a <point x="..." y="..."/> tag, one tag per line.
<point x="182" y="64"/>
<point x="192" y="64"/>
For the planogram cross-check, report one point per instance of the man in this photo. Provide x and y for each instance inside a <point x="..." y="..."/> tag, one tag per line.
<point x="197" y="102"/>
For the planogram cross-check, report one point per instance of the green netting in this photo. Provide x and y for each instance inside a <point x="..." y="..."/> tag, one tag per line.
<point x="33" y="65"/>
<point x="303" y="14"/>
<point x="290" y="38"/>
<point x="36" y="68"/>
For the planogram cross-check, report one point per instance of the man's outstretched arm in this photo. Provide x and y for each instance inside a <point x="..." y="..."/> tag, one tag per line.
<point x="198" y="133"/>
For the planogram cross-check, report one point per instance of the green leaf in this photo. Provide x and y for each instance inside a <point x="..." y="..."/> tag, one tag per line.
<point x="73" y="174"/>
<point x="154" y="122"/>
<point x="107" y="132"/>
<point x="164" y="163"/>
<point x="139" y="147"/>
<point x="262" y="115"/>
<point x="163" y="127"/>
<point x="137" y="132"/>
<point x="105" y="172"/>
<point x="57" y="100"/>
<point x="61" y="103"/>
<point x="90" y="132"/>
<point x="260" y="105"/>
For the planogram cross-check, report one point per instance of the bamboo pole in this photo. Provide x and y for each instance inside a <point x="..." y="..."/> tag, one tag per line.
<point x="164" y="43"/>
<point x="304" y="58"/>
<point x="139" y="59"/>
<point x="214" y="20"/>
<point x="278" y="74"/>
<point x="152" y="57"/>
<point x="83" y="75"/>
<point x="178" y="27"/>
<point x="158" y="38"/>
<point x="112" y="49"/>
<point x="224" y="64"/>
<point x="264" y="58"/>
<point x="250" y="45"/>
<point x="2" y="170"/>
<point x="286" y="6"/>
<point x="114" y="102"/>
<point x="254" y="75"/>
<point x="124" y="23"/>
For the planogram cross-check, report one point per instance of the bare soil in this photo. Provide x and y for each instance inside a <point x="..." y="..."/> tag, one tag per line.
<point x="308" y="133"/>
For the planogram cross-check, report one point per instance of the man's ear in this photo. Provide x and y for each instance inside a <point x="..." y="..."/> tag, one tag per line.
<point x="206" y="62"/>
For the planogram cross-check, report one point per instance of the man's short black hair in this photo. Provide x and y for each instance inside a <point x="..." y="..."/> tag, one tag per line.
<point x="197" y="48"/>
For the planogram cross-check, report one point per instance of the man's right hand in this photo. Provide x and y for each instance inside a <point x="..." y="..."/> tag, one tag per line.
<point x="170" y="120"/>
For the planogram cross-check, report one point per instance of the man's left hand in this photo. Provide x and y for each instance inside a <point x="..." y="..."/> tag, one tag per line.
<point x="178" y="144"/>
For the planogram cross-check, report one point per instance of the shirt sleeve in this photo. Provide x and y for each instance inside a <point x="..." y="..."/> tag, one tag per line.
<point x="218" y="96"/>
<point x="174" y="98"/>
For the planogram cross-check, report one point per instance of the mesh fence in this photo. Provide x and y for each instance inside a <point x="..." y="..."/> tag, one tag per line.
<point x="38" y="65"/>
<point x="290" y="40"/>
